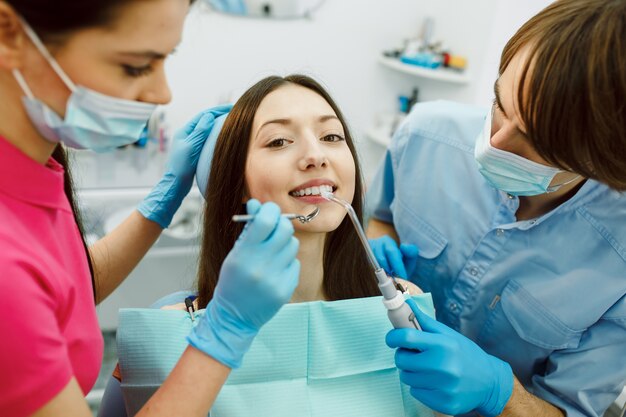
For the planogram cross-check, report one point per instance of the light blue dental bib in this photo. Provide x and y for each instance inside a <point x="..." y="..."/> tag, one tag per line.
<point x="312" y="359"/>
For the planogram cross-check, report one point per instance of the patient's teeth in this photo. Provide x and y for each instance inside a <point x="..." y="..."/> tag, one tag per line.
<point x="316" y="190"/>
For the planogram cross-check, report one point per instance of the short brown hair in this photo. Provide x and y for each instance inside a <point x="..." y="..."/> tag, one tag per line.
<point x="347" y="273"/>
<point x="573" y="100"/>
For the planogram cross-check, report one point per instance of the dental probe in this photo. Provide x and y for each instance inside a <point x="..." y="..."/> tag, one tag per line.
<point x="399" y="312"/>
<point x="239" y="218"/>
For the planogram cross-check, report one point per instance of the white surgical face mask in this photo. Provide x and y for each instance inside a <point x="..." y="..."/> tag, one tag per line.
<point x="92" y="120"/>
<point x="510" y="172"/>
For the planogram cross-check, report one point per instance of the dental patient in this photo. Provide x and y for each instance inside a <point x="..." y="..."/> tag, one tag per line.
<point x="290" y="141"/>
<point x="285" y="141"/>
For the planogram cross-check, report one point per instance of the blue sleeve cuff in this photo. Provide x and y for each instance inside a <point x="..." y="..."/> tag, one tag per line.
<point x="381" y="192"/>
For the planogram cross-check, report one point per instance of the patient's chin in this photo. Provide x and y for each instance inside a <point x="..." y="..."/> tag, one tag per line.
<point x="318" y="225"/>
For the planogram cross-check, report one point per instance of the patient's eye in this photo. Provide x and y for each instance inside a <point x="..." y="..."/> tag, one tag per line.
<point x="277" y="143"/>
<point x="332" y="138"/>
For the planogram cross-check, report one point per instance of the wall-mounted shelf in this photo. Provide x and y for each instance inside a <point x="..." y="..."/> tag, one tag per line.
<point x="444" y="75"/>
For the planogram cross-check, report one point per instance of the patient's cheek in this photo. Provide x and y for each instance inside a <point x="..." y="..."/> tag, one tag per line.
<point x="412" y="288"/>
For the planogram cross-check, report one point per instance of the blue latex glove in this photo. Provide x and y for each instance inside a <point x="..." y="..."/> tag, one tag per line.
<point x="229" y="6"/>
<point x="396" y="261"/>
<point x="257" y="277"/>
<point x="166" y="197"/>
<point x="448" y="372"/>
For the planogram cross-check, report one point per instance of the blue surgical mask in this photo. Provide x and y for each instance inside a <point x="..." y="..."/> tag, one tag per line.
<point x="510" y="172"/>
<point x="92" y="120"/>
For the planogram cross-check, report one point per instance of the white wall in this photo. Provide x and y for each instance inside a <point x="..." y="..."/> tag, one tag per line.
<point x="220" y="56"/>
<point x="508" y="16"/>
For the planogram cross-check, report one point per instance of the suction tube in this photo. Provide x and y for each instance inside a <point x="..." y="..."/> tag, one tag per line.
<point x="399" y="312"/>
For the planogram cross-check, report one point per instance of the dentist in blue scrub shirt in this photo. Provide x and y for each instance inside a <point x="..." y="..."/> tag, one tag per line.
<point x="513" y="218"/>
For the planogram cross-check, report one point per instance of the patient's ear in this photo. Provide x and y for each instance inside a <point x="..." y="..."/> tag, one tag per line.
<point x="11" y="38"/>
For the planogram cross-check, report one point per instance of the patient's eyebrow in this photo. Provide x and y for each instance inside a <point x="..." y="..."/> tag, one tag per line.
<point x="277" y="121"/>
<point x="328" y="117"/>
<point x="288" y="121"/>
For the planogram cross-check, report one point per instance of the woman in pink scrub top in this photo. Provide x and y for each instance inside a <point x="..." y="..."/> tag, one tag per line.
<point x="88" y="75"/>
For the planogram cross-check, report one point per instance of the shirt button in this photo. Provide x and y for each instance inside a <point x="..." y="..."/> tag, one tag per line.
<point x="453" y="306"/>
<point x="510" y="196"/>
<point x="499" y="232"/>
<point x="473" y="271"/>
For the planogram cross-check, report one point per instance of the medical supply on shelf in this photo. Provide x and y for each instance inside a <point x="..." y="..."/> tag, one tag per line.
<point x="407" y="103"/>
<point x="424" y="52"/>
<point x="456" y="62"/>
<point x="423" y="59"/>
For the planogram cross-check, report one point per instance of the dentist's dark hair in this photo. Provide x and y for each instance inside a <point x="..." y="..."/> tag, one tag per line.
<point x="54" y="22"/>
<point x="347" y="273"/>
<point x="572" y="93"/>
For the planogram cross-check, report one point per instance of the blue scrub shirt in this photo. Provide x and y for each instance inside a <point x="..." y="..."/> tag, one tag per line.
<point x="547" y="295"/>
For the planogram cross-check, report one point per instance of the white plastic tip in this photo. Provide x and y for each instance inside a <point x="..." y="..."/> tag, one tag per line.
<point x="326" y="195"/>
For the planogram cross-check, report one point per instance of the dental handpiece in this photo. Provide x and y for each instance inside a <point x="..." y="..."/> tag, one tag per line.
<point x="399" y="312"/>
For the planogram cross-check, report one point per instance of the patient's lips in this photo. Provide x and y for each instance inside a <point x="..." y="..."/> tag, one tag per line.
<point x="310" y="192"/>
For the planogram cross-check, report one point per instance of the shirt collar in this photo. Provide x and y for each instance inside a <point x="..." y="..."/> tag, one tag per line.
<point x="586" y="194"/>
<point x="25" y="179"/>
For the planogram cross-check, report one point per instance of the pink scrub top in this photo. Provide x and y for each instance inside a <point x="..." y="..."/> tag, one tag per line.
<point x="49" y="331"/>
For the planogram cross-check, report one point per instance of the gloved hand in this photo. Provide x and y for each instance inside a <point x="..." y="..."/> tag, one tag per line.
<point x="397" y="261"/>
<point x="166" y="197"/>
<point x="257" y="277"/>
<point x="448" y="372"/>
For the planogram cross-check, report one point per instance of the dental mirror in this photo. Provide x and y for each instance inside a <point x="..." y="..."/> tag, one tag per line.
<point x="305" y="219"/>
<point x="238" y="218"/>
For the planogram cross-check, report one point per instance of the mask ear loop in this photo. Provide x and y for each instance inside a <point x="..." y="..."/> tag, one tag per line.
<point x="558" y="186"/>
<point x="46" y="54"/>
<point x="22" y="83"/>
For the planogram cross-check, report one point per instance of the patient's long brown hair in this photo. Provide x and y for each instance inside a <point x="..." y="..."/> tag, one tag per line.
<point x="346" y="271"/>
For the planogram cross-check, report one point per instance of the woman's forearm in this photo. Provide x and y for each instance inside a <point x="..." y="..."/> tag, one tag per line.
<point x="190" y="389"/>
<point x="118" y="253"/>
<point x="376" y="228"/>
